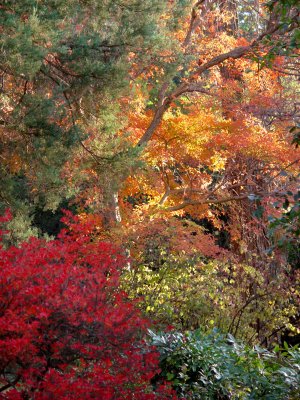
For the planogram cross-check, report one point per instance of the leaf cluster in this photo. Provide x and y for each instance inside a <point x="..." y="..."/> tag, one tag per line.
<point x="214" y="366"/>
<point x="66" y="330"/>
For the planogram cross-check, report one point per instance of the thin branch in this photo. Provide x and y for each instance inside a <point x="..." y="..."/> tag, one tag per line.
<point x="162" y="106"/>
<point x="24" y="92"/>
<point x="283" y="169"/>
<point x="194" y="16"/>
<point x="10" y="384"/>
<point x="203" y="202"/>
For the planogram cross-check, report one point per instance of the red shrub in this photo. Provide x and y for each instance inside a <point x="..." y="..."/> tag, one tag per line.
<point x="66" y="331"/>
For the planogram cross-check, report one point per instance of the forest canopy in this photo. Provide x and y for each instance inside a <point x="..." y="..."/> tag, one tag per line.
<point x="157" y="141"/>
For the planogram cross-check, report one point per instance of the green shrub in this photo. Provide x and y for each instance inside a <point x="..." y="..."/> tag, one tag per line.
<point x="213" y="366"/>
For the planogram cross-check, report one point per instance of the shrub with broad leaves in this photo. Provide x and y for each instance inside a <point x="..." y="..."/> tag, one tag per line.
<point x="214" y="366"/>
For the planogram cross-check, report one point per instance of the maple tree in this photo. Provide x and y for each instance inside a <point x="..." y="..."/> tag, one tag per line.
<point x="66" y="330"/>
<point x="216" y="145"/>
<point x="205" y="63"/>
<point x="200" y="120"/>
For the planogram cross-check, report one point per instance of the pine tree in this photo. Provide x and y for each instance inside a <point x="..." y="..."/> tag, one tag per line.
<point x="63" y="65"/>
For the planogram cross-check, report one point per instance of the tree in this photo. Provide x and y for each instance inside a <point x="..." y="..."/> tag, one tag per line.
<point x="66" y="330"/>
<point x="182" y="129"/>
<point x="215" y="79"/>
<point x="63" y="65"/>
<point x="154" y="60"/>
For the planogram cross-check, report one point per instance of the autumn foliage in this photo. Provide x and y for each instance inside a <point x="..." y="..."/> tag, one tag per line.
<point x="171" y="130"/>
<point x="66" y="331"/>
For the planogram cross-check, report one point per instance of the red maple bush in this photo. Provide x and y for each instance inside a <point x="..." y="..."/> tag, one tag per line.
<point x="66" y="330"/>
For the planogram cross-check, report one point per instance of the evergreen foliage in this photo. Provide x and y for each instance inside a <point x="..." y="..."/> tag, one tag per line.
<point x="213" y="366"/>
<point x="63" y="65"/>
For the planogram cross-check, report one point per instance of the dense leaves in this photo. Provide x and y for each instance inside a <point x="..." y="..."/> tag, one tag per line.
<point x="63" y="64"/>
<point x="218" y="367"/>
<point x="66" y="331"/>
<point x="170" y="129"/>
<point x="238" y="299"/>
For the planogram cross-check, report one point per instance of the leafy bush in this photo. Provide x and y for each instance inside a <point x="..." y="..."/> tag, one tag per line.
<point x="237" y="298"/>
<point x="66" y="330"/>
<point x="213" y="366"/>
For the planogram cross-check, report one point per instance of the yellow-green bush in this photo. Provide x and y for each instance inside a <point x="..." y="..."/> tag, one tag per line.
<point x="238" y="299"/>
